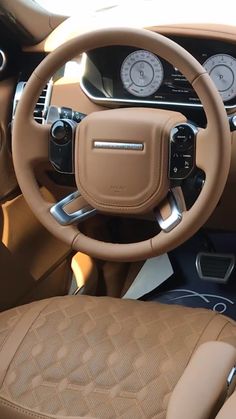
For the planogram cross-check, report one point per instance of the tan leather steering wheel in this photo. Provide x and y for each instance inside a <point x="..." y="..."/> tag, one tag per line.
<point x="121" y="155"/>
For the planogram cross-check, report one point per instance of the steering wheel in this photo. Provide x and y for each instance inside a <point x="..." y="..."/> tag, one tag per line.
<point x="123" y="157"/>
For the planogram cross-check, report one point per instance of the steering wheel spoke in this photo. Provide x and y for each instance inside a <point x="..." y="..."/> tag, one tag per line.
<point x="202" y="150"/>
<point x="169" y="213"/>
<point x="66" y="211"/>
<point x="37" y="145"/>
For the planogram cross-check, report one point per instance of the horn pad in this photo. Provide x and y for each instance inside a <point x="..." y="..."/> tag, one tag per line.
<point x="121" y="158"/>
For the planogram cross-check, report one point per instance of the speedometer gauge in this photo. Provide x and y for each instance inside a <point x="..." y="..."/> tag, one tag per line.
<point x="222" y="70"/>
<point x="141" y="73"/>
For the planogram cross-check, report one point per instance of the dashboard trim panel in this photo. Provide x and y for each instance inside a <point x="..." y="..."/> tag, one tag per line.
<point x="103" y="83"/>
<point x="116" y="101"/>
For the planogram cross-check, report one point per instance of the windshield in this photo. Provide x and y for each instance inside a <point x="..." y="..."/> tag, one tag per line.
<point x="145" y="12"/>
<point x="69" y="7"/>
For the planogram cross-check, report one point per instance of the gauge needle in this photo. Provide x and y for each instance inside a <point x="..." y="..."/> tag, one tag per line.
<point x="221" y="78"/>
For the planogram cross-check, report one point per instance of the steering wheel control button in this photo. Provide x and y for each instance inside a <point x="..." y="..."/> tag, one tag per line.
<point x="182" y="136"/>
<point x="61" y="132"/>
<point x="61" y="145"/>
<point x="78" y="116"/>
<point x="66" y="113"/>
<point x="182" y="151"/>
<point x="232" y="123"/>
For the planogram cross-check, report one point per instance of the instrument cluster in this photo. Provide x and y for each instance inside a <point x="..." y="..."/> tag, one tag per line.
<point x="128" y="75"/>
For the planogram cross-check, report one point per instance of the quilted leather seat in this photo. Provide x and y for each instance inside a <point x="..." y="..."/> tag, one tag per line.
<point x="92" y="357"/>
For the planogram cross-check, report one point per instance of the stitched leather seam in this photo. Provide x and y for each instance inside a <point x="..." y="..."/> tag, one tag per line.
<point x="226" y="324"/>
<point x="75" y="238"/>
<point x="6" y="337"/>
<point x="24" y="411"/>
<point x="193" y="30"/>
<point x="199" y="338"/>
<point x="198" y="77"/>
<point x="20" y="409"/>
<point x="11" y="328"/>
<point x="4" y="372"/>
<point x="205" y="320"/>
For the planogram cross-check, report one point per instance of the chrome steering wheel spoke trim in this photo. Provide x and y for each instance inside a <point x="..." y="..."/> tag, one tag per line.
<point x="176" y="215"/>
<point x="64" y="218"/>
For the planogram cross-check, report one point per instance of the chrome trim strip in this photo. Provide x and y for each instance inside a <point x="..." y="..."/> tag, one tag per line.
<point x="231" y="376"/>
<point x="116" y="145"/>
<point x="19" y="90"/>
<point x="4" y="60"/>
<point x="53" y="114"/>
<point x="117" y="101"/>
<point x="63" y="218"/>
<point x="175" y="217"/>
<point x="47" y="99"/>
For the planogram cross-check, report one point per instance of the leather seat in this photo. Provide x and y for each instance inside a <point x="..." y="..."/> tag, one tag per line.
<point x="95" y="357"/>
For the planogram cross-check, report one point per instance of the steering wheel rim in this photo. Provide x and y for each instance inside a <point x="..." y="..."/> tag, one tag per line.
<point x="213" y="145"/>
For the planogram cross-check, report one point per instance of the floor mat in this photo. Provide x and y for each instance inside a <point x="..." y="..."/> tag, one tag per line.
<point x="186" y="288"/>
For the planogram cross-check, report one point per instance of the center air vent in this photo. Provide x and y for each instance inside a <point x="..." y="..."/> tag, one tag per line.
<point x="42" y="104"/>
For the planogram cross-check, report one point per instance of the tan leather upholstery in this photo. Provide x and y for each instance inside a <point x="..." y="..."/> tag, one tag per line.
<point x="229" y="409"/>
<point x="203" y="388"/>
<point x="130" y="190"/>
<point x="34" y="20"/>
<point x="97" y="357"/>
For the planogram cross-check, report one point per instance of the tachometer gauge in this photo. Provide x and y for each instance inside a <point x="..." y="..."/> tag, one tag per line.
<point x="222" y="70"/>
<point x="141" y="73"/>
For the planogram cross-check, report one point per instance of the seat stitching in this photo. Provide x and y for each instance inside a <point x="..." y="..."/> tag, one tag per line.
<point x="6" y="337"/>
<point x="4" y="372"/>
<point x="20" y="409"/>
<point x="200" y="336"/>
<point x="226" y="324"/>
<point x="212" y="317"/>
<point x="36" y="415"/>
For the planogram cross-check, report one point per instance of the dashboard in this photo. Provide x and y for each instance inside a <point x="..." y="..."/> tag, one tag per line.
<point x="126" y="75"/>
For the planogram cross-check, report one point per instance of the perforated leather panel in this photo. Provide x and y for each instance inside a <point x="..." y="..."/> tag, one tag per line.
<point x="8" y="320"/>
<point x="102" y="357"/>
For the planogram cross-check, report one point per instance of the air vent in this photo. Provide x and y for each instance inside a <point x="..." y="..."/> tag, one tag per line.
<point x="42" y="104"/>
